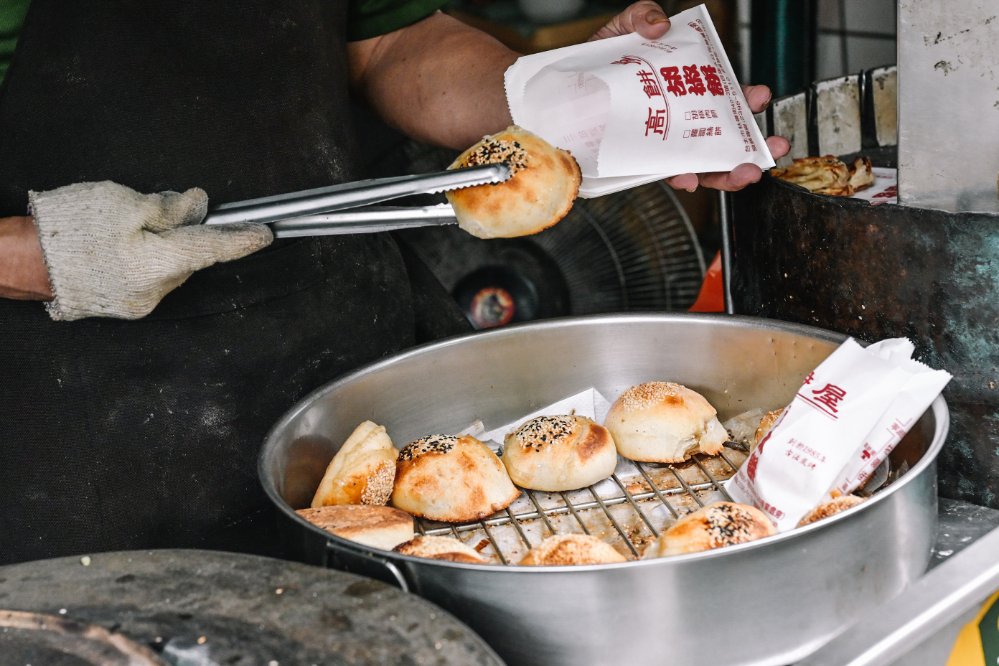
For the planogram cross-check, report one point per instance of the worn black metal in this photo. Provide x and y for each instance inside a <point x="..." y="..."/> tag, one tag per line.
<point x="207" y="607"/>
<point x="877" y="272"/>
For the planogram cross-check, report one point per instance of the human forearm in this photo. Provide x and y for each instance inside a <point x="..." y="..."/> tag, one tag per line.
<point x="439" y="81"/>
<point x="23" y="274"/>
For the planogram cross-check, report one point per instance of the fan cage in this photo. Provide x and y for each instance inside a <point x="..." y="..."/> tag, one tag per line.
<point x="634" y="250"/>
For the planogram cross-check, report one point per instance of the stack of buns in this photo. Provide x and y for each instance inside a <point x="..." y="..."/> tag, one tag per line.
<point x="455" y="479"/>
<point x="829" y="175"/>
<point x="555" y="453"/>
<point x="664" y="422"/>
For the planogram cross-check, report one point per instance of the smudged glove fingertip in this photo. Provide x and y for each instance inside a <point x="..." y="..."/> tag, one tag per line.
<point x="265" y="233"/>
<point x="255" y="237"/>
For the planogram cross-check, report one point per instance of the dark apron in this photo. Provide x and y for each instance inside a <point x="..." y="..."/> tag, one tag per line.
<point x="122" y="435"/>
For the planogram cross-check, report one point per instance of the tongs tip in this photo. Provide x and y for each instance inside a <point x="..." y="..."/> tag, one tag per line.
<point x="505" y="172"/>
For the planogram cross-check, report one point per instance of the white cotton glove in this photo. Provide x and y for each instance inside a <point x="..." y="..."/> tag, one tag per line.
<point x="112" y="252"/>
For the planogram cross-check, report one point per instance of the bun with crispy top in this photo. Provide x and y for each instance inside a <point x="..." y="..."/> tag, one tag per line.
<point x="451" y="479"/>
<point x="713" y="526"/>
<point x="553" y="453"/>
<point x="664" y="422"/>
<point x="543" y="185"/>
<point x="570" y="549"/>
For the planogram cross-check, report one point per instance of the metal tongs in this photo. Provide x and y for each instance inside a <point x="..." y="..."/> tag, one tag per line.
<point x="347" y="209"/>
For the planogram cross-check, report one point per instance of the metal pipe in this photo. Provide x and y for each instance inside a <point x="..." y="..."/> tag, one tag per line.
<point x="782" y="51"/>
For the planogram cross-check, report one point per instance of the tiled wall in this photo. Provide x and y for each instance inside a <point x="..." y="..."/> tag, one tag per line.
<point x="852" y="35"/>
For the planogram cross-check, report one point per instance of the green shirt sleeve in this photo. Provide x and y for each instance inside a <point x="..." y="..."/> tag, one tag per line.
<point x="366" y="18"/>
<point x="12" y="14"/>
<point x="370" y="18"/>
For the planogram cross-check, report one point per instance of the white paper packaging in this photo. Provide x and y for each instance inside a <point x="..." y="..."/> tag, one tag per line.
<point x="847" y="416"/>
<point x="633" y="110"/>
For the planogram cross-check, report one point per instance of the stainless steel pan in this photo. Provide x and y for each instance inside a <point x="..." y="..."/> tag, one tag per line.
<point x="768" y="602"/>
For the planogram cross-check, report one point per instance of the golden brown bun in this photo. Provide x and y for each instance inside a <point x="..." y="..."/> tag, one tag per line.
<point x="452" y="479"/>
<point x="376" y="526"/>
<point x="713" y="526"/>
<point x="664" y="422"/>
<point x="554" y="453"/>
<point x="441" y="548"/>
<point x="562" y="549"/>
<point x="830" y="508"/>
<point x="766" y="424"/>
<point x="828" y="175"/>
<point x="815" y="173"/>
<point x="362" y="471"/>
<point x="540" y="192"/>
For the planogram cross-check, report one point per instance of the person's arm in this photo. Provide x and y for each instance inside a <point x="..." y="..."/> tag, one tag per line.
<point x="441" y="81"/>
<point x="23" y="274"/>
<point x="104" y="250"/>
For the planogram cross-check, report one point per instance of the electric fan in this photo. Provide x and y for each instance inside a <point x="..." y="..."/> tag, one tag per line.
<point x="629" y="251"/>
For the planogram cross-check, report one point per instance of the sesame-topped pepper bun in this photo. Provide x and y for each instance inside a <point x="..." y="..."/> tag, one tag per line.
<point x="664" y="422"/>
<point x="571" y="549"/>
<point x="553" y="453"/>
<point x="543" y="185"/>
<point x="452" y="479"/>
<point x="713" y="526"/>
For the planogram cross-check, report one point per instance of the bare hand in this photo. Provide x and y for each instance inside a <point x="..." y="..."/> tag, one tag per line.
<point x="648" y="19"/>
<point x="744" y="174"/>
<point x="645" y="17"/>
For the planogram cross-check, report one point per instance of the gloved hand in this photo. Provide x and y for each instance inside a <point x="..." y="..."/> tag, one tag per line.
<point x="112" y="252"/>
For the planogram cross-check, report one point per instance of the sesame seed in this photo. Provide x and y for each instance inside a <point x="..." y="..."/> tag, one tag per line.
<point x="544" y="431"/>
<point x="728" y="524"/>
<point x="648" y="394"/>
<point x="428" y="444"/>
<point x="494" y="151"/>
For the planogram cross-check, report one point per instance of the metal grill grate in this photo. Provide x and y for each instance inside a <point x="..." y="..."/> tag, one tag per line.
<point x="627" y="510"/>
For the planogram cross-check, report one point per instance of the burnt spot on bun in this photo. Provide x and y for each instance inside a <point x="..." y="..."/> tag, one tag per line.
<point x="592" y="442"/>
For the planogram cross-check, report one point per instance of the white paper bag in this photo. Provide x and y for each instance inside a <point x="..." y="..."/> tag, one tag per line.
<point x="845" y="419"/>
<point x="633" y="110"/>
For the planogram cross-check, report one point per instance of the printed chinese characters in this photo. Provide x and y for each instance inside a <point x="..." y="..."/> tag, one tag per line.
<point x="699" y="80"/>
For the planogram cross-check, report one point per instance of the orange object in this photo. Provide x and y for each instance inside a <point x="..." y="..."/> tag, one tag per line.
<point x="711" y="298"/>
